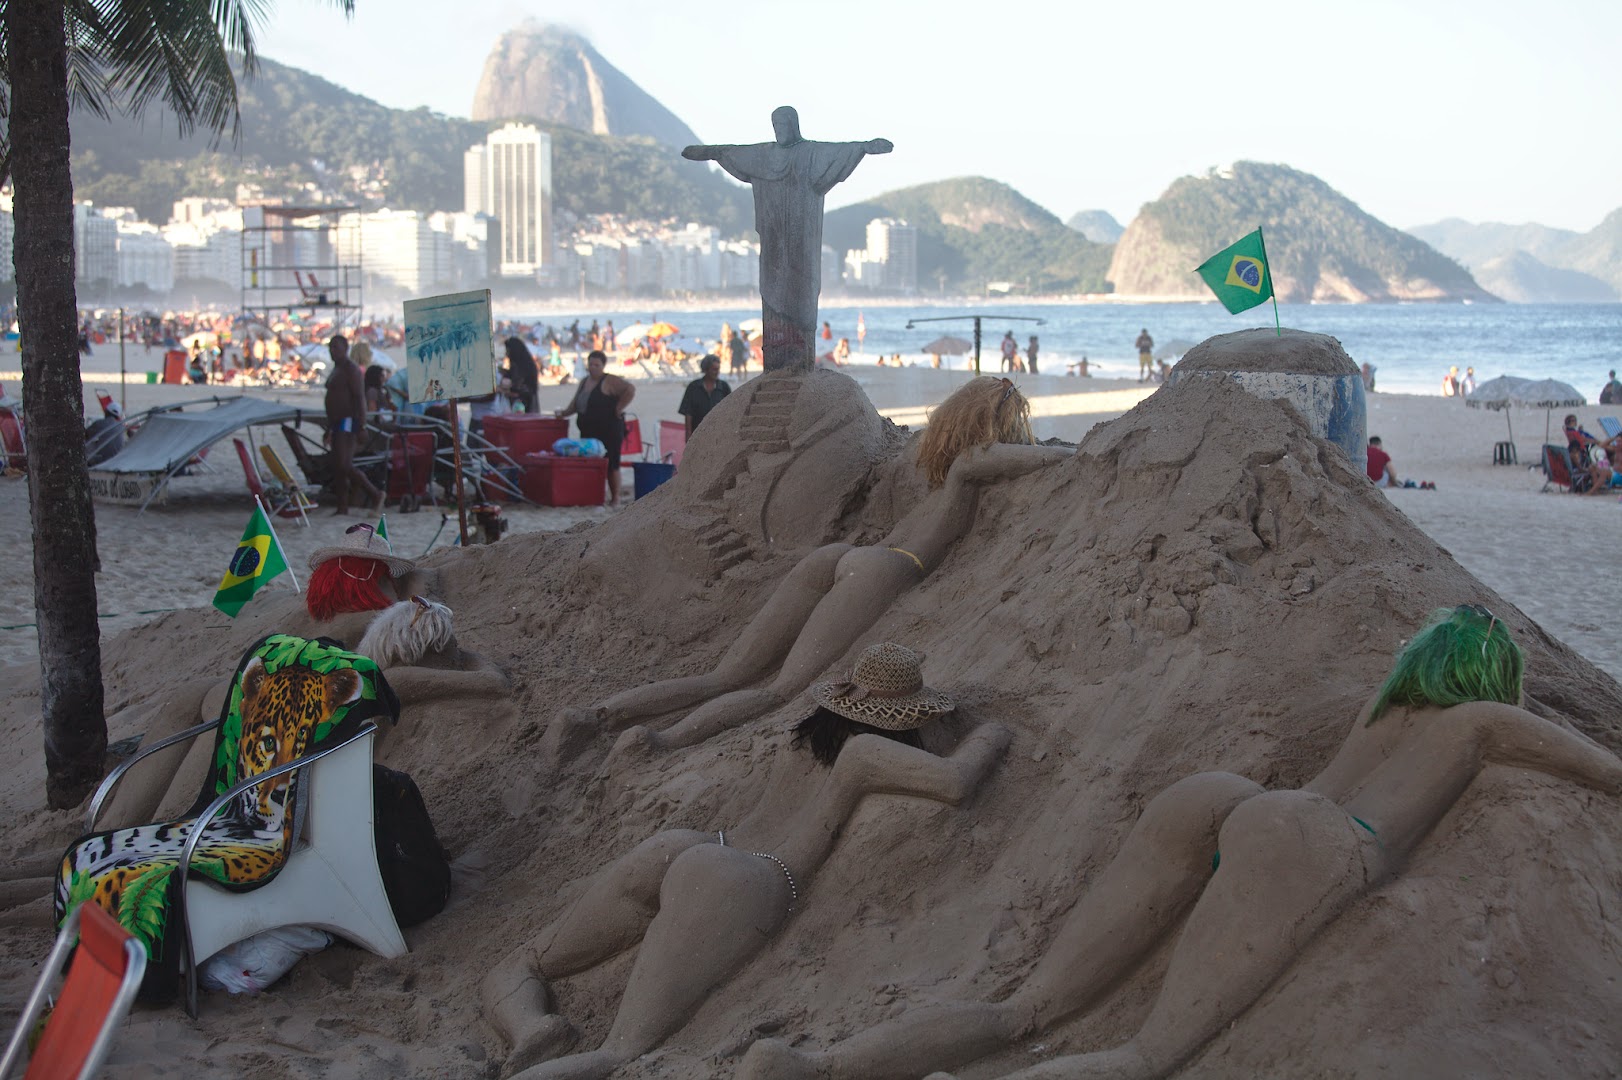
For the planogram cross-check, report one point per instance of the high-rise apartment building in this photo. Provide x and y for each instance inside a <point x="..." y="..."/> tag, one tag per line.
<point x="893" y="243"/>
<point x="510" y="178"/>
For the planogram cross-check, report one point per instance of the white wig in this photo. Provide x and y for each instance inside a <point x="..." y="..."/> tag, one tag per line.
<point x="403" y="633"/>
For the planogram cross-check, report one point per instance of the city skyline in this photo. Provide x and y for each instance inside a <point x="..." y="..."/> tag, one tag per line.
<point x="1489" y="112"/>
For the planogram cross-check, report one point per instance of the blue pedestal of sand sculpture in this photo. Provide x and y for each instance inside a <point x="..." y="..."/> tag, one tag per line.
<point x="1310" y="371"/>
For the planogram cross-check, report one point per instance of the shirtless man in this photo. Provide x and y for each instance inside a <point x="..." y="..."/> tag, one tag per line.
<point x="346" y="424"/>
<point x="1263" y="871"/>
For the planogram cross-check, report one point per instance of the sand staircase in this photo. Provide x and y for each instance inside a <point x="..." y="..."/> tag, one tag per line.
<point x="764" y="430"/>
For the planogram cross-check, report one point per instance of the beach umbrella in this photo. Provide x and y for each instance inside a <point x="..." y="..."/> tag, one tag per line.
<point x="662" y="329"/>
<point x="206" y="338"/>
<point x="949" y="346"/>
<point x="631" y="333"/>
<point x="751" y="328"/>
<point x="1545" y="394"/>
<point x="1174" y="348"/>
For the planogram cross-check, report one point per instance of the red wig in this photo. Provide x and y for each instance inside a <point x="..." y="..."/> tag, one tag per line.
<point x="346" y="583"/>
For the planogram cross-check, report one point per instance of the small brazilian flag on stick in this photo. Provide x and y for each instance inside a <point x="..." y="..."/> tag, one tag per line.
<point x="258" y="558"/>
<point x="1239" y="275"/>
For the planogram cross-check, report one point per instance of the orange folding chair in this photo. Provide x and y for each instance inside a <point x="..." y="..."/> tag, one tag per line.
<point x="95" y="997"/>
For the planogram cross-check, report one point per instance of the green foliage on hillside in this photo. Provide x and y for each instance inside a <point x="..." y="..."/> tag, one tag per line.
<point x="972" y="230"/>
<point x="300" y="129"/>
<point x="1309" y="227"/>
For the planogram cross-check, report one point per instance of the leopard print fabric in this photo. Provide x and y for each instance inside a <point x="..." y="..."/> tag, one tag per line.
<point x="128" y="871"/>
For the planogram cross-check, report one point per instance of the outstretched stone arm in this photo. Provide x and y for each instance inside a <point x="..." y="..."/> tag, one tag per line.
<point x="702" y="153"/>
<point x="878" y="146"/>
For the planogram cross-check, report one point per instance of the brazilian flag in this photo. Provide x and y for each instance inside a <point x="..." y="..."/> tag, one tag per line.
<point x="1238" y="274"/>
<point x="258" y="558"/>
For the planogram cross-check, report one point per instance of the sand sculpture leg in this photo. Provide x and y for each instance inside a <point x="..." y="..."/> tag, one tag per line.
<point x="609" y="918"/>
<point x="1291" y="861"/>
<point x="763" y="642"/>
<point x="867" y="581"/>
<point x="1157" y="874"/>
<point x="718" y="906"/>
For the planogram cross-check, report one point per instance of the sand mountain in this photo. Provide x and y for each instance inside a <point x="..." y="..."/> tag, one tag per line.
<point x="1099" y="226"/>
<point x="1535" y="263"/>
<point x="547" y="73"/>
<point x="972" y="230"/>
<point x="1322" y="246"/>
<point x="1204" y="586"/>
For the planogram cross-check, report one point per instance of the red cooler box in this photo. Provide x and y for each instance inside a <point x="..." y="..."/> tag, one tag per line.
<point x="565" y="481"/>
<point x="524" y="433"/>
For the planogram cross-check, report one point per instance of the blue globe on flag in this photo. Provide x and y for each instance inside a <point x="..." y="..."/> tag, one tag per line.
<point x="245" y="562"/>
<point x="1249" y="272"/>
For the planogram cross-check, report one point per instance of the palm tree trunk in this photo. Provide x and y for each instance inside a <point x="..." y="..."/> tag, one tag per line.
<point x="53" y="404"/>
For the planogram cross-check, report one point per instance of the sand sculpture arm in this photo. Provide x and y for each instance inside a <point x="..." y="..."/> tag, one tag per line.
<point x="1005" y="461"/>
<point x="1515" y="737"/>
<point x="874" y="765"/>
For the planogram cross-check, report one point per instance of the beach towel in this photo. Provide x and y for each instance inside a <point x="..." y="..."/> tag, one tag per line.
<point x="288" y="697"/>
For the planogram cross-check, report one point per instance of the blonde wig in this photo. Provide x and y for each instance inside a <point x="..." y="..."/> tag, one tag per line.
<point x="983" y="411"/>
<point x="404" y="633"/>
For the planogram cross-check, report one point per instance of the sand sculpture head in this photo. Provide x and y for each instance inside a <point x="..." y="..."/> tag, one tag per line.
<point x="352" y="576"/>
<point x="786" y="125"/>
<point x="404" y="633"/>
<point x="884" y="694"/>
<point x="1463" y="654"/>
<point x="983" y="411"/>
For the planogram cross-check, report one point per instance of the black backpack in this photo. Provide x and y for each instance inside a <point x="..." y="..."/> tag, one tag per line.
<point x="416" y="874"/>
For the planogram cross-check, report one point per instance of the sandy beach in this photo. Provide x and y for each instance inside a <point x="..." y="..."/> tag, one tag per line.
<point x="1495" y="520"/>
<point x="1202" y="587"/>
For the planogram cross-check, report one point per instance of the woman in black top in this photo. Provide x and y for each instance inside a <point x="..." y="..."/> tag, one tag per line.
<point x="600" y="404"/>
<point x="525" y="375"/>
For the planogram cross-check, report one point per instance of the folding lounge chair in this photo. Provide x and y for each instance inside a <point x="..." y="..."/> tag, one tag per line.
<point x="280" y="505"/>
<point x="295" y="493"/>
<point x="1556" y="467"/>
<point x="261" y="848"/>
<point x="94" y="999"/>
<point x="316" y="470"/>
<point x="1611" y="426"/>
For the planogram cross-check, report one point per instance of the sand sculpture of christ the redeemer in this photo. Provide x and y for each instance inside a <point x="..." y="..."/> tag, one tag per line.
<point x="790" y="176"/>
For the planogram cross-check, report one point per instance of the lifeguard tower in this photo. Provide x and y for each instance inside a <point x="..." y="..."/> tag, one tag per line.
<point x="301" y="263"/>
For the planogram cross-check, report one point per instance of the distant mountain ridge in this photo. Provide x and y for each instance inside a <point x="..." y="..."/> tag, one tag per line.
<point x="972" y="230"/>
<point x="1320" y="245"/>
<point x="299" y="129"/>
<point x="1099" y="226"/>
<point x="553" y="75"/>
<point x="1534" y="263"/>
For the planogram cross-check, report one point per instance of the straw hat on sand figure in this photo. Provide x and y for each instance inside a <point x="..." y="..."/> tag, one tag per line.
<point x="1263" y="872"/>
<point x="977" y="436"/>
<point x="703" y="903"/>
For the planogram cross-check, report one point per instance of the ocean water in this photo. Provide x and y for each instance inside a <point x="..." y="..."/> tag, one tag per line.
<point x="1410" y="345"/>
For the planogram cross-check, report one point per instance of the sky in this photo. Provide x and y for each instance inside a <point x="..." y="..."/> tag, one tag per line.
<point x="1485" y="110"/>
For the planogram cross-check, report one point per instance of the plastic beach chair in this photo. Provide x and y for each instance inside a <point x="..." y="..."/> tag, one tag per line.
<point x="313" y="831"/>
<point x="95" y="997"/>
<point x="1556" y="467"/>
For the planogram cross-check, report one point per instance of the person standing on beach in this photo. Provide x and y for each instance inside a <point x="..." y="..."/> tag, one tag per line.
<point x="827" y="332"/>
<point x="704" y="393"/>
<point x="1611" y="394"/>
<point x="1468" y="386"/>
<point x="1010" y="351"/>
<point x="738" y="354"/>
<point x="526" y="378"/>
<point x="346" y="424"/>
<point x="1146" y="360"/>
<point x="1030" y="354"/>
<point x="1450" y="382"/>
<point x="600" y="403"/>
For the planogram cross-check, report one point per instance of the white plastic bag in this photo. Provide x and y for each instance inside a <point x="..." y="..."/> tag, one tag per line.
<point x="253" y="964"/>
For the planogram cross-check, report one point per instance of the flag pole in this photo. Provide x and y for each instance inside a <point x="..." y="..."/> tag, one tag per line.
<point x="1272" y="291"/>
<point x="271" y="525"/>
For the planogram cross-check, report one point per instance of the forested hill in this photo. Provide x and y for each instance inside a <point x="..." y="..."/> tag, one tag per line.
<point x="1320" y="244"/>
<point x="972" y="230"/>
<point x="299" y="129"/>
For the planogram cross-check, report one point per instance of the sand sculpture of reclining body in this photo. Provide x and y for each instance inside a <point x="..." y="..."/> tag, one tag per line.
<point x="1264" y="871"/>
<point x="977" y="436"/>
<point x="702" y="903"/>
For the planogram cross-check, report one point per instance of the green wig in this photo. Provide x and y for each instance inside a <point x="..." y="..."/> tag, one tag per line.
<point x="1465" y="654"/>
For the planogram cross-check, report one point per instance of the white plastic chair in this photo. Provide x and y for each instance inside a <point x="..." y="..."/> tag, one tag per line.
<point x="330" y="880"/>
